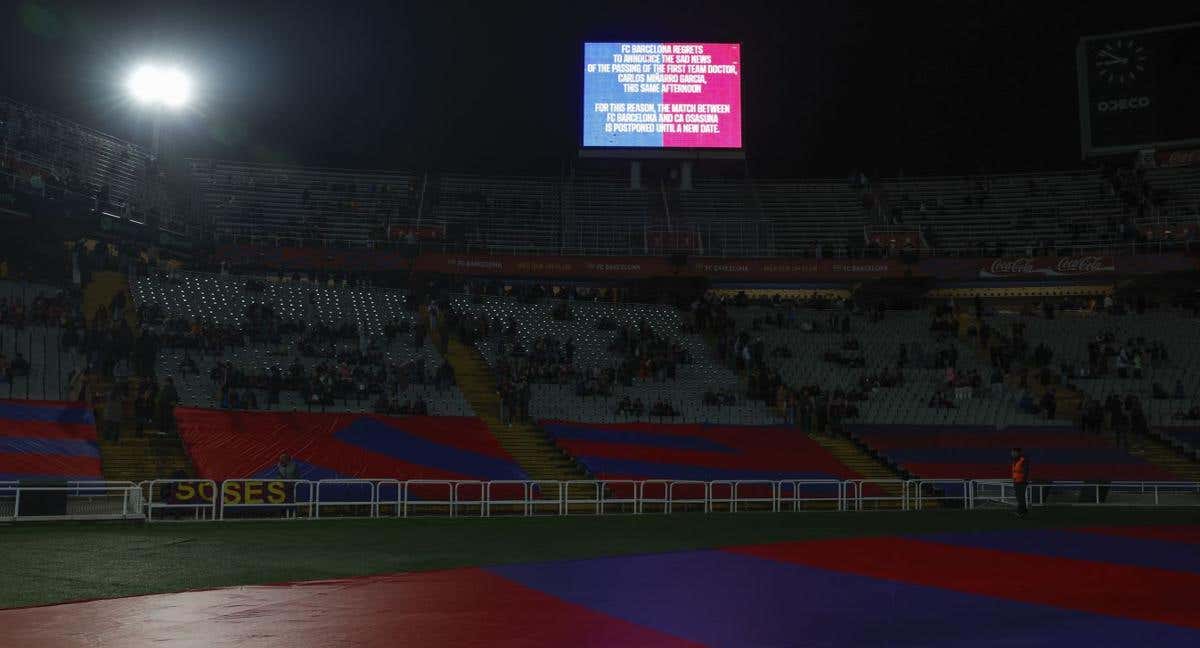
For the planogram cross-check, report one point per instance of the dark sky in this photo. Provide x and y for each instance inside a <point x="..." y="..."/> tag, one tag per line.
<point x="829" y="85"/>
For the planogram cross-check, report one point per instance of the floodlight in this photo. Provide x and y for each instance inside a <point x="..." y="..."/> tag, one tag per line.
<point x="162" y="86"/>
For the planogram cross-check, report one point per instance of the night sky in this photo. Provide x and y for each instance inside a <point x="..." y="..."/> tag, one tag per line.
<point x="828" y="86"/>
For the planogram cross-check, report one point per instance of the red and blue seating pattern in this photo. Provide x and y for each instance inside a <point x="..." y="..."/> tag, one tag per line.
<point x="695" y="451"/>
<point x="1055" y="453"/>
<point x="233" y="445"/>
<point x="48" y="440"/>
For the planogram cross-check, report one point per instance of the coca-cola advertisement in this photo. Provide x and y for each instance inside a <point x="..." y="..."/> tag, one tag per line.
<point x="1072" y="266"/>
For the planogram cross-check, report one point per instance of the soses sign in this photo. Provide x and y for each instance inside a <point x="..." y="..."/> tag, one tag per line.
<point x="233" y="493"/>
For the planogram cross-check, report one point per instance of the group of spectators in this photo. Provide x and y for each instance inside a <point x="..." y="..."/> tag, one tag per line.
<point x="646" y="354"/>
<point x="339" y="372"/>
<point x="1130" y="359"/>
<point x="660" y="409"/>
<point x="1124" y="416"/>
<point x="809" y="407"/>
<point x="117" y="369"/>
<point x="329" y="362"/>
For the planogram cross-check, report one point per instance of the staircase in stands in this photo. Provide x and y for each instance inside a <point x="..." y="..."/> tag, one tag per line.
<point x="155" y="455"/>
<point x="100" y="291"/>
<point x="525" y="442"/>
<point x="1162" y="455"/>
<point x="864" y="464"/>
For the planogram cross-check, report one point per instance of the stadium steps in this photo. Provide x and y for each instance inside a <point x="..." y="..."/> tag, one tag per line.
<point x="153" y="456"/>
<point x="861" y="462"/>
<point x="138" y="459"/>
<point x="100" y="291"/>
<point x="526" y="443"/>
<point x="1164" y="456"/>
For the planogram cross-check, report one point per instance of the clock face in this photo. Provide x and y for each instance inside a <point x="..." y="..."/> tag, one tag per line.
<point x="1121" y="61"/>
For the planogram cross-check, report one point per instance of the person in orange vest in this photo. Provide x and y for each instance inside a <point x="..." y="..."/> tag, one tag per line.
<point x="1020" y="477"/>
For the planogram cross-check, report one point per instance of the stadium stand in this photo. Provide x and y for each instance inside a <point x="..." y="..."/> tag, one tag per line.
<point x="503" y="215"/>
<point x="810" y="218"/>
<point x="52" y="155"/>
<point x="36" y="360"/>
<point x="231" y="445"/>
<point x="597" y="354"/>
<point x="854" y="359"/>
<point x="695" y="451"/>
<point x="293" y="345"/>
<point x="1051" y="362"/>
<point x="48" y="440"/>
<point x="273" y="205"/>
<point x="1126" y="353"/>
<point x="1013" y="214"/>
<point x="980" y="452"/>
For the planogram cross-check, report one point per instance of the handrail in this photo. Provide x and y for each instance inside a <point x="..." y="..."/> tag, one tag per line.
<point x="608" y="485"/>
<point x="796" y="484"/>
<point x="595" y="499"/>
<point x="489" y="501"/>
<point x="379" y="485"/>
<point x="408" y="488"/>
<point x="152" y="503"/>
<point x="539" y="487"/>
<point x="704" y="500"/>
<point x="370" y="484"/>
<point x="459" y="501"/>
<point x="130" y="494"/>
<point x="860" y="495"/>
<point x="918" y="496"/>
<point x="773" y="500"/>
<point x="306" y="498"/>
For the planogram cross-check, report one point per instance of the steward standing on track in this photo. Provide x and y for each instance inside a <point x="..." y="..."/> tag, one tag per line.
<point x="1020" y="478"/>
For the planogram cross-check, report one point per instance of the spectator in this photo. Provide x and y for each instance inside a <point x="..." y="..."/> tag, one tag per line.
<point x="1049" y="403"/>
<point x="285" y="468"/>
<point x="167" y="399"/>
<point x="143" y="405"/>
<point x="113" y="415"/>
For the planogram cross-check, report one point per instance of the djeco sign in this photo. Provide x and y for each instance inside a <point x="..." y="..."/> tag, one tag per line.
<point x="234" y="493"/>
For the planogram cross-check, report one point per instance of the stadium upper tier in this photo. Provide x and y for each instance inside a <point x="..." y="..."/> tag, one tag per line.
<point x="47" y="153"/>
<point x="1013" y="212"/>
<point x="582" y="214"/>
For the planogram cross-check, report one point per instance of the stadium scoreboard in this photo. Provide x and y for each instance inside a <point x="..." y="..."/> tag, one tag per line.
<point x="1139" y="90"/>
<point x="645" y="96"/>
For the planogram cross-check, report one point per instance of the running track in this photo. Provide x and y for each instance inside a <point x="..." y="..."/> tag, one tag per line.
<point x="1097" y="586"/>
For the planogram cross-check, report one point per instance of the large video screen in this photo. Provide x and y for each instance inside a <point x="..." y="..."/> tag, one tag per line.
<point x="662" y="95"/>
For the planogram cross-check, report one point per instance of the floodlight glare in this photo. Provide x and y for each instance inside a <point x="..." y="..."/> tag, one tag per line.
<point x="143" y="84"/>
<point x="155" y="85"/>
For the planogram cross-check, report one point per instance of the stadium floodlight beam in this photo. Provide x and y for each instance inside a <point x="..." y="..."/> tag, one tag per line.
<point x="160" y="86"/>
